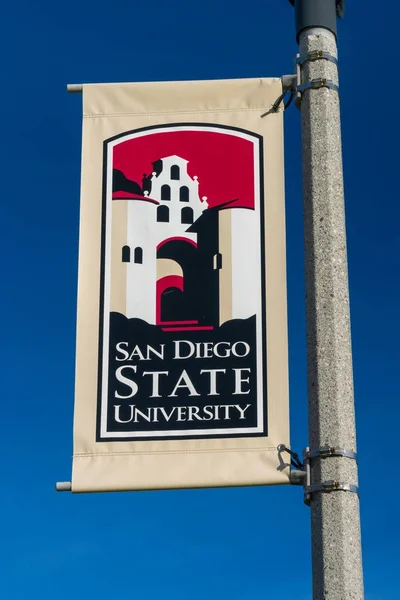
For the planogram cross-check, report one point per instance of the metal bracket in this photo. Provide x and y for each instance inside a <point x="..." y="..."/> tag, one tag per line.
<point x="315" y="55"/>
<point x="63" y="486"/>
<point x="313" y="84"/>
<point x="298" y="477"/>
<point x="74" y="88"/>
<point x="330" y="486"/>
<point x="289" y="82"/>
<point x="302" y="476"/>
<point x="328" y="451"/>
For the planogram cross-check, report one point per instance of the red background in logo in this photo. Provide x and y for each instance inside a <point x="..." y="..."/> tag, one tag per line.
<point x="223" y="162"/>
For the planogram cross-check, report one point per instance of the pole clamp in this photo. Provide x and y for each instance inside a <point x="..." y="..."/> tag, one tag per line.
<point x="330" y="486"/>
<point x="313" y="84"/>
<point x="328" y="451"/>
<point x="324" y="486"/>
<point x="315" y="55"/>
<point x="316" y="84"/>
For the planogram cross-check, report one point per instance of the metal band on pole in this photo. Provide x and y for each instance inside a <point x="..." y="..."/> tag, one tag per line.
<point x="316" y="55"/>
<point x="327" y="451"/>
<point x="316" y="84"/>
<point x="331" y="486"/>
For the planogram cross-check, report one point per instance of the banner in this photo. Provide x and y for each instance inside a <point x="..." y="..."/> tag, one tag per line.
<point x="181" y="365"/>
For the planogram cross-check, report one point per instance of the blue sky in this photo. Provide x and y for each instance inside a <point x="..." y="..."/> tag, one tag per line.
<point x="237" y="543"/>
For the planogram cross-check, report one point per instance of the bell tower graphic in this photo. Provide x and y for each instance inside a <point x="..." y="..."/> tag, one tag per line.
<point x="176" y="261"/>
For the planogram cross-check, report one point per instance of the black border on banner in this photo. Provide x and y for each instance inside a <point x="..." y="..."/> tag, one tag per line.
<point x="148" y="438"/>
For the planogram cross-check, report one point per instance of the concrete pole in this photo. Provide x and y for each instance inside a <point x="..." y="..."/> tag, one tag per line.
<point x="335" y="516"/>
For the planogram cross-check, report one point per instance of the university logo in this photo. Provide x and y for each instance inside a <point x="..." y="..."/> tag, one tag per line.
<point x="182" y="328"/>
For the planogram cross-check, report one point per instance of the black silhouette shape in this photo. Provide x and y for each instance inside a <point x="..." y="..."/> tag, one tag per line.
<point x="138" y="256"/>
<point x="184" y="194"/>
<point x="123" y="184"/>
<point x="165" y="192"/>
<point x="175" y="172"/>
<point x="162" y="214"/>
<point x="126" y="254"/>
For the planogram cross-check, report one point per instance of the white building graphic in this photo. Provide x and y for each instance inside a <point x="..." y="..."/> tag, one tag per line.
<point x="179" y="194"/>
<point x="155" y="247"/>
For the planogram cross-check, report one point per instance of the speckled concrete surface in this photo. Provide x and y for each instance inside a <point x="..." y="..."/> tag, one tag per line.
<point x="337" y="568"/>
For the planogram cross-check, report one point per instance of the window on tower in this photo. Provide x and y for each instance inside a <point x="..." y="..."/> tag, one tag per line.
<point x="126" y="254"/>
<point x="187" y="215"/>
<point x="184" y="194"/>
<point x="217" y="261"/>
<point x="138" y="256"/>
<point x="162" y="214"/>
<point x="165" y="192"/>
<point x="175" y="172"/>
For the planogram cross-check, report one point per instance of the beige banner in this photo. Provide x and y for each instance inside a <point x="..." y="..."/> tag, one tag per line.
<point x="113" y="463"/>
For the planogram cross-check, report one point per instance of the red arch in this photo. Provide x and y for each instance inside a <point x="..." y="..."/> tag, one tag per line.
<point x="173" y="239"/>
